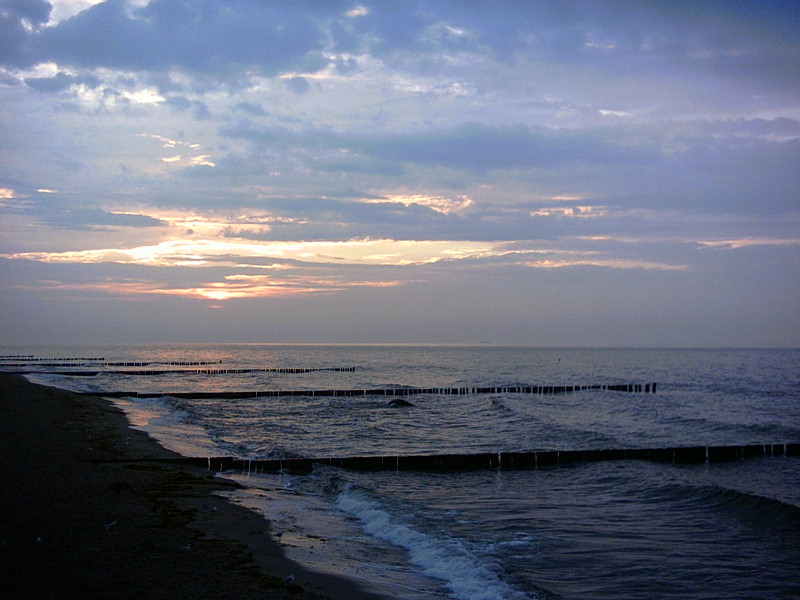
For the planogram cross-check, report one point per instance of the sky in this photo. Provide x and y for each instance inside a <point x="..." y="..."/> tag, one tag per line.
<point x="577" y="173"/>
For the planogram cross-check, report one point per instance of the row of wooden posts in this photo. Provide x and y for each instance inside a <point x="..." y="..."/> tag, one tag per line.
<point x="501" y="460"/>
<point x="189" y="371"/>
<point x="393" y="392"/>
<point x="28" y="359"/>
<point x="76" y="363"/>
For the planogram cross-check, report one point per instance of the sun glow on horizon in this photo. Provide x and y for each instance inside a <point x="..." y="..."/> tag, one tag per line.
<point x="200" y="252"/>
<point x="250" y="265"/>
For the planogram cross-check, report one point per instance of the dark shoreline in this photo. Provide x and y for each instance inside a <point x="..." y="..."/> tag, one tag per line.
<point x="89" y="509"/>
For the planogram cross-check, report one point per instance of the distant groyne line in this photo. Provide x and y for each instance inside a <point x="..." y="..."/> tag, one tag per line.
<point x="502" y="460"/>
<point x="34" y="359"/>
<point x="81" y="362"/>
<point x="21" y="361"/>
<point x="148" y="372"/>
<point x="399" y="391"/>
<point x="185" y="363"/>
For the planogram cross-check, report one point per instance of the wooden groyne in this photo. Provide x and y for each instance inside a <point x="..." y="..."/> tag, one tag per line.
<point x="185" y="363"/>
<point x="78" y="362"/>
<point x="146" y="372"/>
<point x="33" y="359"/>
<point x="506" y="461"/>
<point x="43" y="366"/>
<point x="393" y="392"/>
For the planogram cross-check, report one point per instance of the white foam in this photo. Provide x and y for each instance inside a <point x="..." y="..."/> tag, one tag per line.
<point x="463" y="573"/>
<point x="72" y="384"/>
<point x="326" y="540"/>
<point x="172" y="428"/>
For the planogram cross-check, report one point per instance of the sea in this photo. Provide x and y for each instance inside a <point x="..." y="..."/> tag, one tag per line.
<point x="588" y="530"/>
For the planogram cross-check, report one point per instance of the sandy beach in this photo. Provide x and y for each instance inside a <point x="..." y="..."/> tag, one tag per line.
<point x="90" y="508"/>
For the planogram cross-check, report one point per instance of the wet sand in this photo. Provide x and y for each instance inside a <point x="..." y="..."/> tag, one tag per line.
<point x="90" y="508"/>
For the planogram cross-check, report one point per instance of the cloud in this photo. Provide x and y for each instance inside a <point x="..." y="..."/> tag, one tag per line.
<point x="580" y="212"/>
<point x="198" y="109"/>
<point x="94" y="218"/>
<point x="17" y="20"/>
<point x="563" y="152"/>
<point x="203" y="37"/>
<point x="730" y="174"/>
<point x="228" y="41"/>
<point x="254" y="109"/>
<point x="62" y="81"/>
<point x="298" y="85"/>
<point x="7" y="194"/>
<point x="219" y="271"/>
<point x="439" y="204"/>
<point x="608" y="37"/>
<point x="470" y="146"/>
<point x="747" y="242"/>
<point x="239" y="286"/>
<point x="205" y="252"/>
